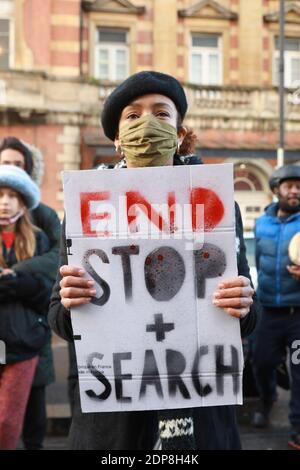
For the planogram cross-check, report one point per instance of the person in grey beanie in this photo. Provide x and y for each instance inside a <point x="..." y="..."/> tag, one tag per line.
<point x="143" y="116"/>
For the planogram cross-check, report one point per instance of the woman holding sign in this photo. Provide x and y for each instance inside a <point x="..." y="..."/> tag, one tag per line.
<point x="143" y="116"/>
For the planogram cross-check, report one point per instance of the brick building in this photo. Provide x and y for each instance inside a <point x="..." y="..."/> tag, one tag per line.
<point x="59" y="59"/>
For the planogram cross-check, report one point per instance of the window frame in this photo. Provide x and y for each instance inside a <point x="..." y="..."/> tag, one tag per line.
<point x="288" y="56"/>
<point x="205" y="52"/>
<point x="7" y="13"/>
<point x="9" y="42"/>
<point x="112" y="48"/>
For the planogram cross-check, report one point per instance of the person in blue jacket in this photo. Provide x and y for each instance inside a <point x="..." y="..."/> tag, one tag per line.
<point x="279" y="294"/>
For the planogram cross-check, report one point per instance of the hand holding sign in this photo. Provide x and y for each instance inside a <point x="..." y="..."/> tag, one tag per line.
<point x="234" y="296"/>
<point x="75" y="289"/>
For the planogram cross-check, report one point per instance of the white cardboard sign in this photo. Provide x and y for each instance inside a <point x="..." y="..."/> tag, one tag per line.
<point x="157" y="242"/>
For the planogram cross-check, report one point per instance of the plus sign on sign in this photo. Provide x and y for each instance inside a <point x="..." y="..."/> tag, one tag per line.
<point x="157" y="242"/>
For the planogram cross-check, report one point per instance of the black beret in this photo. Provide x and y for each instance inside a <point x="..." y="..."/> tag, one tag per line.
<point x="140" y="84"/>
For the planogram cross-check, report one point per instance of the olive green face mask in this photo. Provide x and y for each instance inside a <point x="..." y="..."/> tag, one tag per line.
<point x="148" y="141"/>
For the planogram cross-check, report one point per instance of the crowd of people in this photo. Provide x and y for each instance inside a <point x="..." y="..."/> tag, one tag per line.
<point x="144" y="117"/>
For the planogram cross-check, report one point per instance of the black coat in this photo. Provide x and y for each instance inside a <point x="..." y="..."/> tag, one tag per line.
<point x="139" y="430"/>
<point x="45" y="218"/>
<point x="24" y="300"/>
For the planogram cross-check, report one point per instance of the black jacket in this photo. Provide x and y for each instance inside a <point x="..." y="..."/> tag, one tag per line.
<point x="46" y="264"/>
<point x="138" y="430"/>
<point x="24" y="300"/>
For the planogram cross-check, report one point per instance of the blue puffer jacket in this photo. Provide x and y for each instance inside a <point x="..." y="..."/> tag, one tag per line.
<point x="276" y="287"/>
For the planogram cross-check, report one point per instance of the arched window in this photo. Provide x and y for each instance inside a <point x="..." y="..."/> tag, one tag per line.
<point x="245" y="179"/>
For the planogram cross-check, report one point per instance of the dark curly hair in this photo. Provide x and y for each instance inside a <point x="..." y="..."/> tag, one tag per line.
<point x="13" y="143"/>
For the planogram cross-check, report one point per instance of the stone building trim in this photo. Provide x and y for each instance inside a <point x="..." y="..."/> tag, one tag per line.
<point x="289" y="8"/>
<point x="291" y="156"/>
<point x="220" y="11"/>
<point x="112" y="6"/>
<point x="70" y="157"/>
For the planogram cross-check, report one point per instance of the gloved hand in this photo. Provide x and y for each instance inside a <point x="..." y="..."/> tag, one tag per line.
<point x="17" y="286"/>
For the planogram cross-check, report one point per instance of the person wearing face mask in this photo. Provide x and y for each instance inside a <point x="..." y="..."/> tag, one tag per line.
<point x="24" y="299"/>
<point x="279" y="293"/>
<point x="143" y="116"/>
<point x="16" y="152"/>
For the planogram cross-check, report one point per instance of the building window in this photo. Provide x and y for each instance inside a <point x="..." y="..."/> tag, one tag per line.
<point x="111" y="54"/>
<point x="253" y="209"/>
<point x="292" y="62"/>
<point x="246" y="180"/>
<point x="4" y="43"/>
<point x="205" y="60"/>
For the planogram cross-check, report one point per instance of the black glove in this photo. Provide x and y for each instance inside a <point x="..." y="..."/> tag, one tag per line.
<point x="17" y="286"/>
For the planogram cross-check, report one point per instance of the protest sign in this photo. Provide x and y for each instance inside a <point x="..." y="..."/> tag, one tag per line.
<point x="157" y="242"/>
